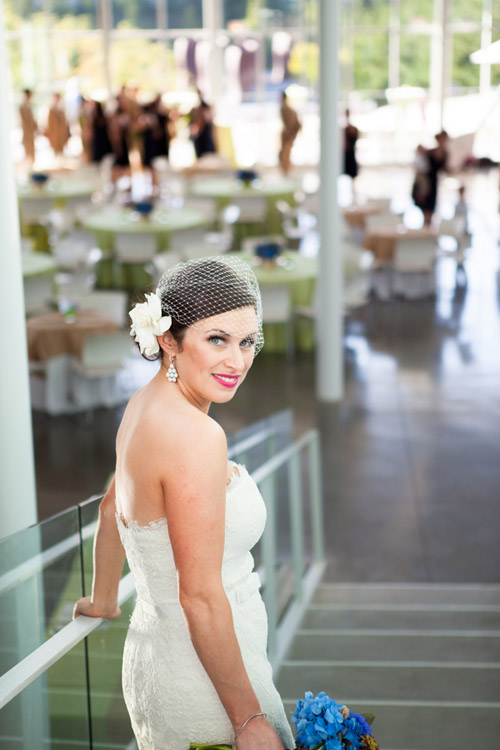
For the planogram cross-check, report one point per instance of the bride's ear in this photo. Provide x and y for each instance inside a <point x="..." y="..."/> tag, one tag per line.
<point x="168" y="344"/>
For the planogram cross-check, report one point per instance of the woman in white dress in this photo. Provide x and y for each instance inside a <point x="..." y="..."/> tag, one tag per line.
<point x="195" y="667"/>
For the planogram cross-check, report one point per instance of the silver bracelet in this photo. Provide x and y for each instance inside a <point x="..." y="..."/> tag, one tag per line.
<point x="247" y="722"/>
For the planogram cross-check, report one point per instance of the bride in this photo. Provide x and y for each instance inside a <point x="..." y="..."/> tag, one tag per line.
<point x="194" y="666"/>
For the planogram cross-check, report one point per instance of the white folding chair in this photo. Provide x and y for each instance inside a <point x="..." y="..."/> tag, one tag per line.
<point x="136" y="247"/>
<point x="413" y="267"/>
<point x="277" y="310"/>
<point x="110" y="303"/>
<point x="381" y="221"/>
<point x="253" y="209"/>
<point x="35" y="210"/>
<point x="94" y="379"/>
<point x="453" y="241"/>
<point x="38" y="293"/>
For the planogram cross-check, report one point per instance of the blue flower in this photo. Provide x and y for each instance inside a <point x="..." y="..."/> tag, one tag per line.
<point x="319" y="722"/>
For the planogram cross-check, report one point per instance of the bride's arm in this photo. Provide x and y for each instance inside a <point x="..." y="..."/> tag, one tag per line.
<point x="109" y="557"/>
<point x="195" y="498"/>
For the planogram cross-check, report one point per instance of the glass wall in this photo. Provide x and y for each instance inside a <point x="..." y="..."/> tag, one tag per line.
<point x="384" y="43"/>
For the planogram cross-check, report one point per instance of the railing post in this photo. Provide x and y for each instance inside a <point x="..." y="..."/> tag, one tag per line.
<point x="269" y="561"/>
<point x="316" y="500"/>
<point x="296" y="521"/>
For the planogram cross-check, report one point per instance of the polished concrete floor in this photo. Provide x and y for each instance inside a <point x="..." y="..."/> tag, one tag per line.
<point x="411" y="455"/>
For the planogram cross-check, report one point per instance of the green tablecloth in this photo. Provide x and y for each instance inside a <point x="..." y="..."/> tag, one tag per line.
<point x="226" y="189"/>
<point x="300" y="274"/>
<point x="109" y="221"/>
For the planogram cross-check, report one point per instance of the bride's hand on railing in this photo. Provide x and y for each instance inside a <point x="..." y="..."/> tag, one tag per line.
<point x="86" y="606"/>
<point x="259" y="735"/>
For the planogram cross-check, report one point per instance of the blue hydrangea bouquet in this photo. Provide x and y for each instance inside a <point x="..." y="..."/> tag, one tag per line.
<point x="322" y="724"/>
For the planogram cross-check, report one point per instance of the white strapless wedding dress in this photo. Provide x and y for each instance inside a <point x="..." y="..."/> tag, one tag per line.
<point x="169" y="696"/>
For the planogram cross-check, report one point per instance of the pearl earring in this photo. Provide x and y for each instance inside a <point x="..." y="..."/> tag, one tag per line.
<point x="172" y="373"/>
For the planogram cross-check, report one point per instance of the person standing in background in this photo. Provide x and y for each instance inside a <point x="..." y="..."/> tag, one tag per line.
<point x="351" y="135"/>
<point x="291" y="127"/>
<point x="101" y="143"/>
<point x="29" y="126"/>
<point x="57" y="126"/>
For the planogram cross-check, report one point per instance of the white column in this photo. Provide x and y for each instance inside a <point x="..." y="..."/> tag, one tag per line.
<point x="329" y="345"/>
<point x="437" y="59"/>
<point x="486" y="39"/>
<point x="106" y="22"/>
<point x="212" y="22"/>
<point x="17" y="469"/>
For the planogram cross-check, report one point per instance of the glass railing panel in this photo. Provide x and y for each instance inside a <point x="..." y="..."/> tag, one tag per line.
<point x="110" y="722"/>
<point x="50" y="713"/>
<point x="40" y="578"/>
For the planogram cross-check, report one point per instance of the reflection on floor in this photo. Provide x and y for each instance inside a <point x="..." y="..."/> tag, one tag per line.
<point x="412" y="473"/>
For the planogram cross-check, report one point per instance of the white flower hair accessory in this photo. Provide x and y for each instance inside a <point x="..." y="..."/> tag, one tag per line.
<point x="148" y="323"/>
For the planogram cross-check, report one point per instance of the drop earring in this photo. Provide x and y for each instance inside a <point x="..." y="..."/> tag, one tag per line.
<point x="172" y="373"/>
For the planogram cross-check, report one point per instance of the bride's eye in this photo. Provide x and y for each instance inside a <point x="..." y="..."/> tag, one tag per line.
<point x="217" y="340"/>
<point x="248" y="342"/>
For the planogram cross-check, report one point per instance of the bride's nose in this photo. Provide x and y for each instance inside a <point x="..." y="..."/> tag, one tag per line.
<point x="234" y="357"/>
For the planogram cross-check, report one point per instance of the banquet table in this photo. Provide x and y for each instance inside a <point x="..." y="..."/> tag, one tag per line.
<point x="226" y="189"/>
<point x="382" y="241"/>
<point x="299" y="273"/>
<point x="109" y="221"/>
<point x="55" y="344"/>
<point x="53" y="334"/>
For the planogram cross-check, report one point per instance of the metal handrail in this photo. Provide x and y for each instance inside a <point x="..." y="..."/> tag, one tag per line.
<point x="37" y="662"/>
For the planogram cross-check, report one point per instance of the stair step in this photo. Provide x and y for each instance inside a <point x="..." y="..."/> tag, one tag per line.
<point x="427" y="726"/>
<point x="407" y="593"/>
<point x="392" y="645"/>
<point x="404" y="680"/>
<point x="401" y="617"/>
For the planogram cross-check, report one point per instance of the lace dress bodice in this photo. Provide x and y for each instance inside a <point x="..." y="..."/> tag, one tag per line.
<point x="150" y="555"/>
<point x="170" y="697"/>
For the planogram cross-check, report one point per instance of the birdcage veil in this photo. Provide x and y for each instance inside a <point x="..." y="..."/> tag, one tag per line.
<point x="198" y="289"/>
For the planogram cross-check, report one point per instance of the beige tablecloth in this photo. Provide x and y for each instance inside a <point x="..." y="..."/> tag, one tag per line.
<point x="383" y="241"/>
<point x="50" y="335"/>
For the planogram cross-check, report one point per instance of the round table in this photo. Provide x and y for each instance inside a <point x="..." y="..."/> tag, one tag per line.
<point x="299" y="273"/>
<point x="226" y="189"/>
<point x="112" y="220"/>
<point x="52" y="334"/>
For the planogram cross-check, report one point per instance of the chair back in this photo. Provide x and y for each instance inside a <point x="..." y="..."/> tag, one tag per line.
<point x="104" y="353"/>
<point x="38" y="294"/>
<point x="415" y="254"/>
<point x="205" y="206"/>
<point x="137" y="247"/>
<point x="455" y="227"/>
<point x="110" y="303"/>
<point x="381" y="221"/>
<point x="252" y="208"/>
<point x="276" y="303"/>
<point x="34" y="210"/>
